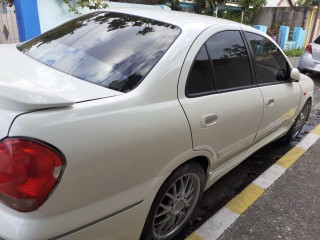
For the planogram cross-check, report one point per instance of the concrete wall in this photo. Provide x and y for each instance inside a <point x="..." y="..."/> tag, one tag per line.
<point x="299" y="17"/>
<point x="274" y="15"/>
<point x="263" y="16"/>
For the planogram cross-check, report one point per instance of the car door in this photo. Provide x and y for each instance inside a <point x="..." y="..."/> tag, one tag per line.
<point x="216" y="90"/>
<point x="281" y="96"/>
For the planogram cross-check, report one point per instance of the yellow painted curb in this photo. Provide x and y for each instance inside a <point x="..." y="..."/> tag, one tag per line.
<point x="290" y="157"/>
<point x="316" y="130"/>
<point x="194" y="236"/>
<point x="240" y="203"/>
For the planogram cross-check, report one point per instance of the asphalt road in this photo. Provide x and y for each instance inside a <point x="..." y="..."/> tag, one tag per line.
<point x="289" y="209"/>
<point x="240" y="177"/>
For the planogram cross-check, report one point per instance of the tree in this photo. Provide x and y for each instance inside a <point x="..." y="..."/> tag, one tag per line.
<point x="175" y="5"/>
<point x="207" y="7"/>
<point x="211" y="6"/>
<point x="91" y="4"/>
<point x="249" y="7"/>
<point x="306" y="3"/>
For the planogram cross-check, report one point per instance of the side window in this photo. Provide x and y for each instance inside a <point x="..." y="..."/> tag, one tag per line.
<point x="271" y="66"/>
<point x="231" y="67"/>
<point x="200" y="78"/>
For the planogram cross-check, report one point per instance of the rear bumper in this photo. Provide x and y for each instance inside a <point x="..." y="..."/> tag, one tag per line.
<point x="126" y="224"/>
<point x="110" y="218"/>
<point x="306" y="62"/>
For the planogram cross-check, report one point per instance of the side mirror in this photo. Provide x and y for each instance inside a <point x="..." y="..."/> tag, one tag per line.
<point x="295" y="74"/>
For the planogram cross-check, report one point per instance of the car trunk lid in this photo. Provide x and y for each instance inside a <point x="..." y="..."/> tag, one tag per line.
<point x="26" y="84"/>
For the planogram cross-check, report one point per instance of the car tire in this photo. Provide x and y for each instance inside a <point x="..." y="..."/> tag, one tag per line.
<point x="298" y="123"/>
<point x="174" y="203"/>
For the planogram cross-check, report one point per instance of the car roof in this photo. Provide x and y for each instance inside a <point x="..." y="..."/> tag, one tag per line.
<point x="179" y="19"/>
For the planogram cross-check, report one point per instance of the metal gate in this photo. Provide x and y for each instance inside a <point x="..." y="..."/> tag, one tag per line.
<point x="8" y="24"/>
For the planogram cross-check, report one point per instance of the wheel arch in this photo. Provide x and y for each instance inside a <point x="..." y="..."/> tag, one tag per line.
<point x="203" y="158"/>
<point x="203" y="161"/>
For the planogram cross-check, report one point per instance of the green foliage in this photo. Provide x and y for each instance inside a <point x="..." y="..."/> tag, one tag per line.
<point x="294" y="52"/>
<point x="250" y="7"/>
<point x="91" y="4"/>
<point x="251" y="4"/>
<point x="305" y="3"/>
<point x="230" y="15"/>
<point x="211" y="5"/>
<point x="199" y="6"/>
<point x="175" y="5"/>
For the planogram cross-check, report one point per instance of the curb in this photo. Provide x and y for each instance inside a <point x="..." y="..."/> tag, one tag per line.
<point x="215" y="226"/>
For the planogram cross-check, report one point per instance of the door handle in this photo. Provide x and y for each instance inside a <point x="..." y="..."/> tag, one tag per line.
<point x="208" y="120"/>
<point x="270" y="102"/>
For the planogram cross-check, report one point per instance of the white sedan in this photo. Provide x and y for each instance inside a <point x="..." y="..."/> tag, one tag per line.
<point x="113" y="124"/>
<point x="310" y="59"/>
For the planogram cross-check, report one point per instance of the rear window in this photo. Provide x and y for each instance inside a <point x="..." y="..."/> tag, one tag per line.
<point x="113" y="50"/>
<point x="317" y="41"/>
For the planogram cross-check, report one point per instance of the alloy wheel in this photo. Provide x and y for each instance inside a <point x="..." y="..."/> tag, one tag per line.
<point x="176" y="206"/>
<point x="300" y="121"/>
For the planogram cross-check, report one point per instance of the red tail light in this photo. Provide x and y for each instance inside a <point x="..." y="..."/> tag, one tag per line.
<point x="29" y="171"/>
<point x="309" y="49"/>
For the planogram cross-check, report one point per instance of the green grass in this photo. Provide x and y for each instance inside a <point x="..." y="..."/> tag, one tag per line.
<point x="294" y="52"/>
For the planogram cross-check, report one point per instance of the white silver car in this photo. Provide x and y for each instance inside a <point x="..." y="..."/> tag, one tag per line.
<point x="113" y="124"/>
<point x="310" y="59"/>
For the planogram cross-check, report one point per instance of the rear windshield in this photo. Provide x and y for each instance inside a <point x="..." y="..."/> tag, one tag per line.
<point x="317" y="41"/>
<point x="113" y="50"/>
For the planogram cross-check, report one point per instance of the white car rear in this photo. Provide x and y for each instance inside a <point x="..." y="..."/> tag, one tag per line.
<point x="310" y="59"/>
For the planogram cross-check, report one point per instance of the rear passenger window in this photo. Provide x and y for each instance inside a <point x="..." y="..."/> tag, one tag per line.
<point x="231" y="67"/>
<point x="200" y="78"/>
<point x="271" y="66"/>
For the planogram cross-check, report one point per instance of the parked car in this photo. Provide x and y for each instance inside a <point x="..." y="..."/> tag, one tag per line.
<point x="114" y="123"/>
<point x="310" y="59"/>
